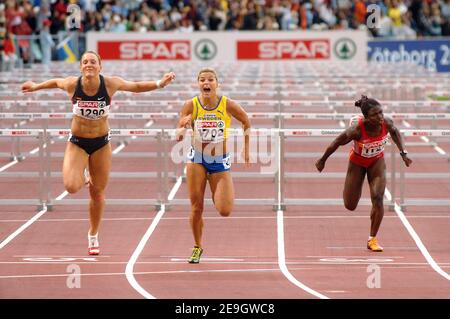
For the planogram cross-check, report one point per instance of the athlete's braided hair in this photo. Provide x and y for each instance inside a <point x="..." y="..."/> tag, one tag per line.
<point x="365" y="104"/>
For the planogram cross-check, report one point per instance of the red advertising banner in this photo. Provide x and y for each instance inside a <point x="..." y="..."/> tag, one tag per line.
<point x="283" y="49"/>
<point x="145" y="50"/>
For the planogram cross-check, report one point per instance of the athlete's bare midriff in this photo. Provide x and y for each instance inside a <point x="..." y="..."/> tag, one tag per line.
<point x="89" y="128"/>
<point x="210" y="149"/>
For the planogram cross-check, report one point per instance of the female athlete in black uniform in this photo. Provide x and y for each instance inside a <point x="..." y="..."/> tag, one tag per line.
<point x="88" y="143"/>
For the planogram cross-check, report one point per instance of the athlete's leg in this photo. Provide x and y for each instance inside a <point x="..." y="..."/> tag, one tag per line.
<point x="353" y="185"/>
<point x="75" y="161"/>
<point x="99" y="167"/>
<point x="376" y="175"/>
<point x="222" y="190"/>
<point x="196" y="181"/>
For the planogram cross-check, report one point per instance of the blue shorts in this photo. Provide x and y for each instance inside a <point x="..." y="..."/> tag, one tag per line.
<point x="212" y="164"/>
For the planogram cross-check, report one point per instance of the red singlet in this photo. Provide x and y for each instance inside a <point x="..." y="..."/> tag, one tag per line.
<point x="368" y="149"/>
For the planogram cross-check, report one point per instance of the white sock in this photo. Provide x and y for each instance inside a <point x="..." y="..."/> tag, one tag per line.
<point x="93" y="240"/>
<point x="370" y="237"/>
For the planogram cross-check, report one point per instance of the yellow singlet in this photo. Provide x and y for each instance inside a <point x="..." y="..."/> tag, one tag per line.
<point x="210" y="126"/>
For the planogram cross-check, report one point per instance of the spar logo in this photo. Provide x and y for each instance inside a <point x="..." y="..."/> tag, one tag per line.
<point x="205" y="49"/>
<point x="204" y="124"/>
<point x="145" y="50"/>
<point x="345" y="48"/>
<point x="314" y="49"/>
<point x="91" y="104"/>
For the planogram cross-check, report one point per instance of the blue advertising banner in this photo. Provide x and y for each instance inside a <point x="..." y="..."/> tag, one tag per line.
<point x="432" y="54"/>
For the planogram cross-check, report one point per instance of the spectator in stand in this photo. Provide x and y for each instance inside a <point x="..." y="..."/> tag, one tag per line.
<point x="46" y="42"/>
<point x="9" y="56"/>
<point x="445" y="12"/>
<point x="426" y="17"/>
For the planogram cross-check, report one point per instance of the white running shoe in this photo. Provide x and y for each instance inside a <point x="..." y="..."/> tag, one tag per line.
<point x="93" y="248"/>
<point x="87" y="178"/>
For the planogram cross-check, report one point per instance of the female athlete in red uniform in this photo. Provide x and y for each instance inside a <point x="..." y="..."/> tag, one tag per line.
<point x="367" y="156"/>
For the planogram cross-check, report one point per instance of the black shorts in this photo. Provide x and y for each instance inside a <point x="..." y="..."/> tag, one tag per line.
<point x="90" y="145"/>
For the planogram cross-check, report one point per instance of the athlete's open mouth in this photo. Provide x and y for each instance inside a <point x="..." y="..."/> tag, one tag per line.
<point x="207" y="90"/>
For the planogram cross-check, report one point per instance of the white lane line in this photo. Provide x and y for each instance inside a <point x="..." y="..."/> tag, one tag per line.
<point x="32" y="220"/>
<point x="439" y="150"/>
<point x="146" y="273"/>
<point x="62" y="195"/>
<point x="280" y="239"/>
<point x="149" y="123"/>
<point x="226" y="257"/>
<point x="184" y="272"/>
<point x="23" y="227"/>
<point x="177" y="185"/>
<point x="349" y="256"/>
<point x="4" y="167"/>
<point x="35" y="150"/>
<point x="115" y="151"/>
<point x="232" y="217"/>
<point x="426" y="140"/>
<point x="119" y="148"/>
<point x="208" y="259"/>
<point x="409" y="227"/>
<point x="323" y="264"/>
<point x="59" y="256"/>
<point x="416" y="238"/>
<point x="14" y="162"/>
<point x="384" y="246"/>
<point x="282" y="259"/>
<point x="130" y="265"/>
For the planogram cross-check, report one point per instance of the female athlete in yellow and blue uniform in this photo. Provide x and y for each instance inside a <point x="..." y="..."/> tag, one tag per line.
<point x="210" y="128"/>
<point x="209" y="115"/>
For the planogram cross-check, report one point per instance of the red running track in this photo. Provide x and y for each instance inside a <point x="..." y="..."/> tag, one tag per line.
<point x="324" y="245"/>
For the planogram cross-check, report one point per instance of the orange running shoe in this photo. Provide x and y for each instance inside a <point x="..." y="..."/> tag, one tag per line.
<point x="372" y="244"/>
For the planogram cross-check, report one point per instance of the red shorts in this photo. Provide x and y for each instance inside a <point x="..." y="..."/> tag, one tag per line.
<point x="365" y="162"/>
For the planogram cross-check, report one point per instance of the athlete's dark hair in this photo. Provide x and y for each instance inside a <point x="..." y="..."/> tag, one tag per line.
<point x="94" y="53"/>
<point x="365" y="104"/>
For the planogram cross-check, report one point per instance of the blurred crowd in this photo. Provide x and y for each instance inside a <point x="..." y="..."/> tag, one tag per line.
<point x="400" y="19"/>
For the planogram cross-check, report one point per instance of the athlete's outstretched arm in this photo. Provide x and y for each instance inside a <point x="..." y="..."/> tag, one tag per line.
<point x="352" y="133"/>
<point x="185" y="119"/>
<point x="116" y="83"/>
<point x="397" y="138"/>
<point x="239" y="114"/>
<point x="58" y="83"/>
